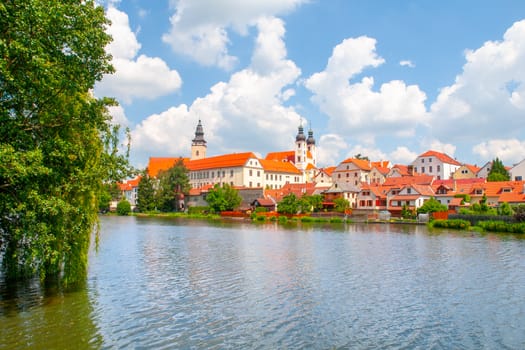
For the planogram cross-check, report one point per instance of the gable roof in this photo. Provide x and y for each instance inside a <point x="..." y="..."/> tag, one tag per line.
<point x="278" y="166"/>
<point x="223" y="161"/>
<point x="362" y="164"/>
<point x="156" y="164"/>
<point x="281" y="156"/>
<point x="441" y="156"/>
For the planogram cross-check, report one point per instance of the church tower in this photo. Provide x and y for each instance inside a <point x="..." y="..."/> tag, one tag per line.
<point x="300" y="149"/>
<point x="198" y="144"/>
<point x="310" y="145"/>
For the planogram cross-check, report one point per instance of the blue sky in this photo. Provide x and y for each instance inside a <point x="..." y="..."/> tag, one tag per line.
<point x="385" y="79"/>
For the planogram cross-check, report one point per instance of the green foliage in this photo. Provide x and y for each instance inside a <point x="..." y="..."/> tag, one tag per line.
<point x="288" y="205"/>
<point x="123" y="207"/>
<point x="172" y="183"/>
<point x="498" y="171"/>
<point x="505" y="209"/>
<point x="501" y="226"/>
<point x="431" y="206"/>
<point x="146" y="194"/>
<point x="456" y="224"/>
<point x="57" y="144"/>
<point x="519" y="213"/>
<point x="223" y="198"/>
<point x="407" y="213"/>
<point x="315" y="201"/>
<point x="261" y="210"/>
<point x="341" y="204"/>
<point x="466" y="197"/>
<point x="198" y="210"/>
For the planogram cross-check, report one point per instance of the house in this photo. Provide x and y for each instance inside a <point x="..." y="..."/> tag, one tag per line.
<point x="412" y="196"/>
<point x="345" y="190"/>
<point x="466" y="171"/>
<point x="453" y="191"/>
<point x="436" y="164"/>
<point x="372" y="197"/>
<point x="129" y="189"/>
<point x="278" y="173"/>
<point x="323" y="176"/>
<point x="498" y="192"/>
<point x="353" y="171"/>
<point x="517" y="172"/>
<point x="379" y="172"/>
<point x="484" y="171"/>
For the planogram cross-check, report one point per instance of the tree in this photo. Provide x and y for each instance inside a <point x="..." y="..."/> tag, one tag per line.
<point x="223" y="198"/>
<point x="341" y="204"/>
<point x="56" y="138"/>
<point x="146" y="193"/>
<point x="172" y="183"/>
<point x="288" y="205"/>
<point x="123" y="207"/>
<point x="315" y="201"/>
<point x="498" y="171"/>
<point x="431" y="206"/>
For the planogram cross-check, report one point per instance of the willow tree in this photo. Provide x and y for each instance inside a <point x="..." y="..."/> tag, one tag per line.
<point x="55" y="136"/>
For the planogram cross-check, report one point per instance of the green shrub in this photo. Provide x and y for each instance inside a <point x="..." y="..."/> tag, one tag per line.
<point x="456" y="224"/>
<point x="260" y="218"/>
<point x="123" y="207"/>
<point x="283" y="219"/>
<point x="198" y="210"/>
<point x="336" y="220"/>
<point x="307" y="219"/>
<point x="261" y="210"/>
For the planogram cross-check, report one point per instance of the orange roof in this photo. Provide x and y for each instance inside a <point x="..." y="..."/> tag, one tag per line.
<point x="496" y="188"/>
<point x="278" y="166"/>
<point x="310" y="166"/>
<point x="329" y="170"/>
<point x="223" y="161"/>
<point x="128" y="185"/>
<point x="362" y="164"/>
<point x="381" y="164"/>
<point x="280" y="156"/>
<point x="441" y="156"/>
<point x="472" y="168"/>
<point x="407" y="180"/>
<point x="156" y="164"/>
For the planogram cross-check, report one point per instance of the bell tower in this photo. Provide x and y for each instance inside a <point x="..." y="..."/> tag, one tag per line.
<point x="198" y="144"/>
<point x="300" y="149"/>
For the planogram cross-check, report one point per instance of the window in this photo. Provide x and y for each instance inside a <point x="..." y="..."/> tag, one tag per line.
<point x="250" y="184"/>
<point x="280" y="177"/>
<point x="250" y="173"/>
<point x="423" y="169"/>
<point x="422" y="160"/>
<point x="430" y="160"/>
<point x="231" y="173"/>
<point x="347" y="175"/>
<point x="430" y="168"/>
<point x="438" y="168"/>
<point x="338" y="176"/>
<point x="299" y="159"/>
<point x="409" y="190"/>
<point x="212" y="174"/>
<point x="258" y="173"/>
<point x="223" y="173"/>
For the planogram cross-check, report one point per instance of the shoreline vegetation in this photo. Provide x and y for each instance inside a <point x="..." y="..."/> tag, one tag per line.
<point x="489" y="226"/>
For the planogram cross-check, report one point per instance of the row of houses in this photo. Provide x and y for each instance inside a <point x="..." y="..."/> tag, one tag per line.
<point x="367" y="185"/>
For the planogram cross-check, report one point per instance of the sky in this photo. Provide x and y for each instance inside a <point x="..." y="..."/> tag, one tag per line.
<point x="384" y="79"/>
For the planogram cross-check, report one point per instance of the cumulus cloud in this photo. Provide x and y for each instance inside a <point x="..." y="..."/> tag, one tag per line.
<point x="246" y="110"/>
<point x="508" y="150"/>
<point x="402" y="155"/>
<point x="199" y="28"/>
<point x="355" y="108"/>
<point x="487" y="100"/>
<point x="407" y="63"/>
<point x="331" y="149"/>
<point x="135" y="77"/>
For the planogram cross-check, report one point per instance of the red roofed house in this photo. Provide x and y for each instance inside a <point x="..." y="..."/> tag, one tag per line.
<point x="436" y="164"/>
<point x="466" y="171"/>
<point x="129" y="189"/>
<point x="352" y="170"/>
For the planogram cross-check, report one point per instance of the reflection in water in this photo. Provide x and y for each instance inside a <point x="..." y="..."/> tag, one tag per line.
<point x="164" y="283"/>
<point x="44" y="317"/>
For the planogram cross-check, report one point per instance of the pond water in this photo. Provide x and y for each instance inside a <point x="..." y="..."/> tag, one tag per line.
<point x="181" y="284"/>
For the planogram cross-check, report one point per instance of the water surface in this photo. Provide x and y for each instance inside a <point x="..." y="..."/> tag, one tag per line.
<point x="165" y="283"/>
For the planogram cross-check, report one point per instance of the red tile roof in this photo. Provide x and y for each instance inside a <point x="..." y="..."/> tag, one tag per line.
<point x="441" y="156"/>
<point x="280" y="156"/>
<point x="278" y="166"/>
<point x="362" y="164"/>
<point x="232" y="160"/>
<point x="156" y="164"/>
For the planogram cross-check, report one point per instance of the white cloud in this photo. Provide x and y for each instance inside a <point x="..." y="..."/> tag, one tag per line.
<point x="436" y="145"/>
<point x="402" y="155"/>
<point x="330" y="150"/>
<point x="508" y="150"/>
<point x="118" y="116"/>
<point x="135" y="77"/>
<point x="407" y="63"/>
<point x="355" y="108"/>
<point x="487" y="100"/>
<point x="199" y="28"/>
<point x="244" y="114"/>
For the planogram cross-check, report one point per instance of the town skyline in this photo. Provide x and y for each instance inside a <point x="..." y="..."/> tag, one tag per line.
<point x="386" y="81"/>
